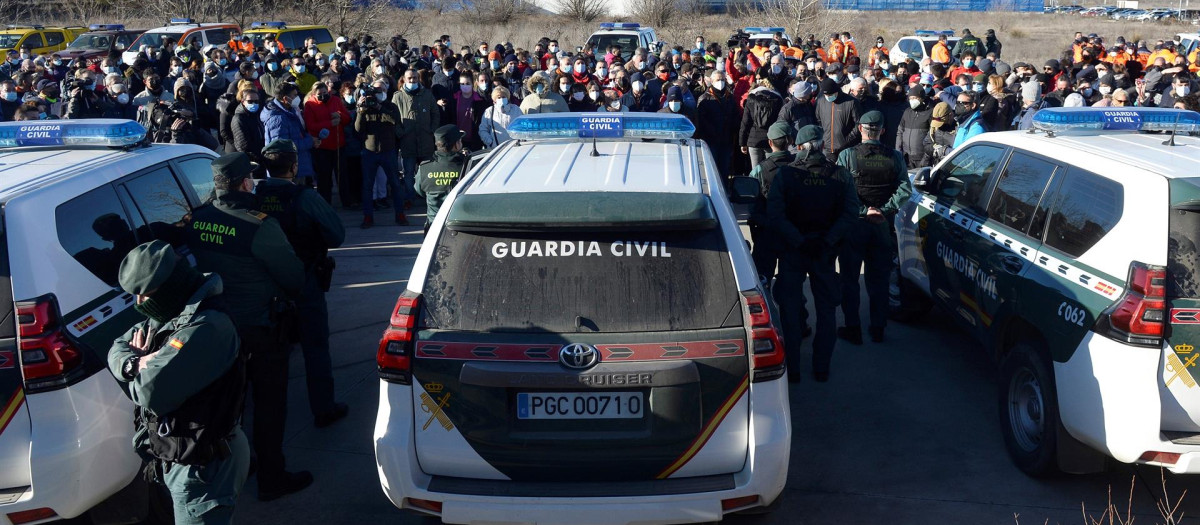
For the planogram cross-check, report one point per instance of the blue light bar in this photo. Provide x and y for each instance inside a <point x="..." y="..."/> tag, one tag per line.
<point x="273" y="25"/>
<point x="620" y="25"/>
<point x="765" y="29"/>
<point x="89" y="132"/>
<point x="601" y="126"/>
<point x="1116" y="119"/>
<point x="106" y="27"/>
<point x="930" y="32"/>
<point x="175" y="21"/>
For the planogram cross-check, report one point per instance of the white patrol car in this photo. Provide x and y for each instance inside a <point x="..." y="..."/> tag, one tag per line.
<point x="767" y="33"/>
<point x="919" y="46"/>
<point x="629" y="35"/>
<point x="1071" y="253"/>
<point x="583" y="339"/>
<point x="76" y="197"/>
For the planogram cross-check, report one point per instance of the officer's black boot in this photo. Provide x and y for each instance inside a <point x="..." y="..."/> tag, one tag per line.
<point x="852" y="334"/>
<point x="333" y="416"/>
<point x="876" y="334"/>
<point x="283" y="484"/>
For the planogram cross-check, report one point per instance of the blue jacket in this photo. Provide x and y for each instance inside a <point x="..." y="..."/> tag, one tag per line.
<point x="283" y="123"/>
<point x="973" y="126"/>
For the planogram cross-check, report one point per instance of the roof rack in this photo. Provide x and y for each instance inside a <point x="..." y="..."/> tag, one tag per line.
<point x="18" y="26"/>
<point x="182" y="21"/>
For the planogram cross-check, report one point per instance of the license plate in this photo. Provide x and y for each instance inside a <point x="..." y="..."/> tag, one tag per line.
<point x="580" y="405"/>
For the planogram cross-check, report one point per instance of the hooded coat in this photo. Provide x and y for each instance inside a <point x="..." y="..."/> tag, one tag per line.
<point x="547" y="102"/>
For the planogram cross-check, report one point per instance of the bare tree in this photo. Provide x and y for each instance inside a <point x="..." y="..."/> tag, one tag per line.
<point x="494" y="11"/>
<point x="657" y="13"/>
<point x="581" y="10"/>
<point x="346" y="17"/>
<point x="797" y="14"/>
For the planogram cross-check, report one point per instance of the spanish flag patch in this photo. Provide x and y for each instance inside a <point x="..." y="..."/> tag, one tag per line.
<point x="175" y="343"/>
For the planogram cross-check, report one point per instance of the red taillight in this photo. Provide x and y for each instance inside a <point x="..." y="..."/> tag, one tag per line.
<point x="30" y="516"/>
<point x="738" y="503"/>
<point x="394" y="356"/>
<point x="49" y="359"/>
<point x="426" y="505"/>
<point x="1139" y="315"/>
<point x="766" y="344"/>
<point x="1165" y="458"/>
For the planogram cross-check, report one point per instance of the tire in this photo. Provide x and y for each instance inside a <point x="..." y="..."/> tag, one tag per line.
<point x="907" y="303"/>
<point x="1028" y="409"/>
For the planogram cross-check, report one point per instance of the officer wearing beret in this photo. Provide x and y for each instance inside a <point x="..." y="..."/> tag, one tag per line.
<point x="881" y="181"/>
<point x="809" y="208"/>
<point x="249" y="250"/>
<point x="312" y="228"/>
<point x="779" y="136"/>
<point x="182" y="369"/>
<point x="437" y="177"/>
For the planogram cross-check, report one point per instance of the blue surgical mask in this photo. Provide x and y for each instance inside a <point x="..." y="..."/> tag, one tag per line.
<point x="58" y="62"/>
<point x="580" y="68"/>
<point x="272" y="66"/>
<point x="351" y="63"/>
<point x="831" y="97"/>
<point x="42" y="116"/>
<point x="110" y="69"/>
<point x="223" y="62"/>
<point x="11" y="96"/>
<point x="675" y="106"/>
<point x="977" y="87"/>
<point x="411" y="87"/>
<point x="495" y="64"/>
<point x="300" y="68"/>
<point x="252" y="107"/>
<point x="349" y="99"/>
<point x="968" y="63"/>
<point x="835" y="77"/>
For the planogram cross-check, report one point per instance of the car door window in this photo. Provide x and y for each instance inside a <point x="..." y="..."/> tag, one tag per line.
<point x="53" y="38"/>
<point x="1019" y="190"/>
<point x="197" y="171"/>
<point x="321" y="36"/>
<point x="217" y="36"/>
<point x="1088" y="206"/>
<point x="289" y="40"/>
<point x="33" y="41"/>
<point x="95" y="230"/>
<point x="194" y="37"/>
<point x="123" y="41"/>
<point x="162" y="205"/>
<point x="910" y="47"/>
<point x="964" y="178"/>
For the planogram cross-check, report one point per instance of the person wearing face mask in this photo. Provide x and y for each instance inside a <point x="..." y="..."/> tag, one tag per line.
<point x="798" y="110"/>
<point x="760" y="110"/>
<point x="967" y="115"/>
<point x="150" y="97"/>
<point x="493" y="128"/>
<point x="10" y="100"/>
<point x="83" y="101"/>
<point x="418" y="119"/>
<point x="300" y="76"/>
<point x="211" y="88"/>
<point x="716" y="120"/>
<point x="324" y="114"/>
<point x="246" y="128"/>
<point x="914" y="127"/>
<point x="674" y="104"/>
<point x="1180" y="87"/>
<point x="837" y="114"/>
<point x="578" y="100"/>
<point x="940" y="139"/>
<point x="541" y="97"/>
<point x="117" y="103"/>
<point x="376" y="122"/>
<point x="273" y="75"/>
<point x="639" y="99"/>
<point x="968" y="67"/>
<point x="466" y="108"/>
<point x="11" y="65"/>
<point x="779" y="74"/>
<point x="281" y="120"/>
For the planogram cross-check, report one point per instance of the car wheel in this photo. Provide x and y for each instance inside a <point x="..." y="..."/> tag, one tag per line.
<point x="907" y="303"/>
<point x="1029" y="410"/>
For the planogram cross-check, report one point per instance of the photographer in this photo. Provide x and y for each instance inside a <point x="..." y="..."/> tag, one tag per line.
<point x="83" y="101"/>
<point x="177" y="122"/>
<point x="376" y="123"/>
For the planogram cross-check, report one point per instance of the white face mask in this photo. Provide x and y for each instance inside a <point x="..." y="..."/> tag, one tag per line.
<point x="1104" y="90"/>
<point x="296" y="102"/>
<point x="913" y="103"/>
<point x="602" y="73"/>
<point x="637" y="86"/>
<point x="378" y="70"/>
<point x="719" y="85"/>
<point x="594" y="95"/>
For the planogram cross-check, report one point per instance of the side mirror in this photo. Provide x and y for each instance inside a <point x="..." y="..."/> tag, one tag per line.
<point x="744" y="190"/>
<point x="922" y="180"/>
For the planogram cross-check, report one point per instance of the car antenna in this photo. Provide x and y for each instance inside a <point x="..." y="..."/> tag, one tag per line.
<point x="1174" y="128"/>
<point x="595" y="152"/>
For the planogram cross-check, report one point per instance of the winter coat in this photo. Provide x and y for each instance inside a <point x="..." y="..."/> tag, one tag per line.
<point x="547" y="102"/>
<point x="762" y="109"/>
<point x="247" y="130"/>
<point x="319" y="116"/>
<point x="418" y="118"/>
<point x="797" y="113"/>
<point x="493" y="129"/>
<point x="914" y="127"/>
<point x="281" y="122"/>
<point x="839" y="120"/>
<point x="715" y="118"/>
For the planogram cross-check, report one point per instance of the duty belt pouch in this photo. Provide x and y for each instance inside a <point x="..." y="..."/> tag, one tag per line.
<point x="324" y="271"/>
<point x="285" y="319"/>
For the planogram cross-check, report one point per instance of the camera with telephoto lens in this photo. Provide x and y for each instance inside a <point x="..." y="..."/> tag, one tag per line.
<point x="366" y="96"/>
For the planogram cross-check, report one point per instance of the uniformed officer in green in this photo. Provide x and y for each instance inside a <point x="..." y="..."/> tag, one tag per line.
<point x="435" y="178"/>
<point x="811" y="205"/>
<point x="182" y="369"/>
<point x="765" y="253"/>
<point x="249" y="250"/>
<point x="312" y="228"/>
<point x="881" y="180"/>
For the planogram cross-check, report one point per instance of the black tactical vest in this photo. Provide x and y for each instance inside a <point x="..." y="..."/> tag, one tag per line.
<point x="875" y="174"/>
<point x="280" y="201"/>
<point x="216" y="231"/>
<point x="196" y="433"/>
<point x="815" y="194"/>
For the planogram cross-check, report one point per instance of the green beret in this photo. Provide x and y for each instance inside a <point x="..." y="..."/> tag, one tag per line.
<point x="147" y="267"/>
<point x="280" y="146"/>
<point x="233" y="167"/>
<point x="809" y="133"/>
<point x="448" y="134"/>
<point x="871" y="119"/>
<point x="779" y="130"/>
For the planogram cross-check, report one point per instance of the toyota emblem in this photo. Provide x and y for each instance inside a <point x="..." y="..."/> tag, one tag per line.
<point x="578" y="356"/>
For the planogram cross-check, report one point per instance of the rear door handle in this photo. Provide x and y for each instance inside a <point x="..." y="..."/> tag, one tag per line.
<point x="1011" y="264"/>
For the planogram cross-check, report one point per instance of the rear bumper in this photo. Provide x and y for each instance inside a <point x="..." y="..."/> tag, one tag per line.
<point x="764" y="474"/>
<point x="81" y="451"/>
<point x="1110" y="398"/>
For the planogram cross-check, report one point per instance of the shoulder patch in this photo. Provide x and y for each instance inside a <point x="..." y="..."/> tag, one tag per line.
<point x="176" y="344"/>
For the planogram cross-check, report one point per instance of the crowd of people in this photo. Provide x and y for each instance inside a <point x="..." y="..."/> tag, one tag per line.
<point x="363" y="116"/>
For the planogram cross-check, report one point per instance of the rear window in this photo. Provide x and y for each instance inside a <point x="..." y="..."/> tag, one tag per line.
<point x="602" y="42"/>
<point x="1088" y="207"/>
<point x="571" y="281"/>
<point x="94" y="229"/>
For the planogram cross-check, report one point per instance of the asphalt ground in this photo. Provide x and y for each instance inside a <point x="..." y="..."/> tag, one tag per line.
<point x="906" y="431"/>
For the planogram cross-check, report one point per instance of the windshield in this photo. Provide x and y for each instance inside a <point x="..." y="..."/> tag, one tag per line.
<point x="154" y="40"/>
<point x="601" y="43"/>
<point x="90" y="41"/>
<point x="10" y="41"/>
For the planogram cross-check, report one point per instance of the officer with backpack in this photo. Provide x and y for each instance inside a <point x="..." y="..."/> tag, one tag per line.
<point x="881" y="180"/>
<point x="765" y="252"/>
<point x="312" y="227"/>
<point x="810" y="206"/>
<point x="183" y="369"/>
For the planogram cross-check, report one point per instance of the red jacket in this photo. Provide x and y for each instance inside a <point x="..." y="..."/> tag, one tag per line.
<point x="319" y="115"/>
